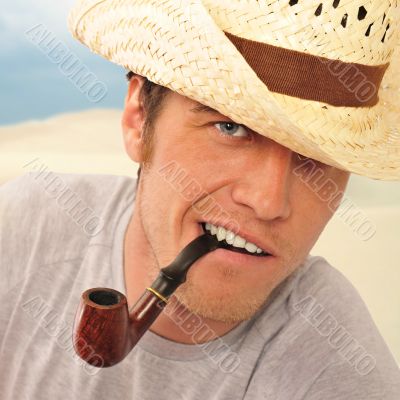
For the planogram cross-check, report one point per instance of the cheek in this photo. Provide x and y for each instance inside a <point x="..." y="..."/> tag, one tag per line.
<point x="319" y="212"/>
<point x="310" y="212"/>
<point x="321" y="193"/>
<point x="182" y="180"/>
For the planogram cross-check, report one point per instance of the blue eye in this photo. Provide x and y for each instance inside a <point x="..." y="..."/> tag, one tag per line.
<point x="231" y="128"/>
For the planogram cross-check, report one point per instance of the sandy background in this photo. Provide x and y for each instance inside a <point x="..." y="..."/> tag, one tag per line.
<point x="91" y="142"/>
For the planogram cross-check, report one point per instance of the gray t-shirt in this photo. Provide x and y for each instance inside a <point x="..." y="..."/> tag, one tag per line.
<point x="63" y="233"/>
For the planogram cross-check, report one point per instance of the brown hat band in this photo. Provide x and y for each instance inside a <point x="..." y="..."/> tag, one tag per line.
<point x="310" y="77"/>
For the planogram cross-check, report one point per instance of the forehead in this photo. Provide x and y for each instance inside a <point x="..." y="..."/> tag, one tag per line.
<point x="194" y="107"/>
<point x="199" y="108"/>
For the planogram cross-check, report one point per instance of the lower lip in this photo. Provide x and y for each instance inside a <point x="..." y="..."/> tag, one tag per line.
<point x="232" y="257"/>
<point x="224" y="255"/>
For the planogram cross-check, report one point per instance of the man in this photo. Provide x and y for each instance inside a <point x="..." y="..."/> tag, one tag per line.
<point x="268" y="322"/>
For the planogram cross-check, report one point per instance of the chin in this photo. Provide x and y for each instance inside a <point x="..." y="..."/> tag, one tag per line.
<point x="220" y="303"/>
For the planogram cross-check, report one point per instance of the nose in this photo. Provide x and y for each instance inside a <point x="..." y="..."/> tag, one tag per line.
<point x="266" y="184"/>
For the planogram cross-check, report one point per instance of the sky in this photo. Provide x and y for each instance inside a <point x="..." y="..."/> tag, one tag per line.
<point x="33" y="85"/>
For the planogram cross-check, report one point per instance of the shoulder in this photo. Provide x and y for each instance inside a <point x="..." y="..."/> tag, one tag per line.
<point x="344" y="333"/>
<point x="327" y="340"/>
<point x="330" y="304"/>
<point x="340" y="381"/>
<point x="47" y="217"/>
<point x="46" y="184"/>
<point x="319" y="281"/>
<point x="41" y="194"/>
<point x="323" y="294"/>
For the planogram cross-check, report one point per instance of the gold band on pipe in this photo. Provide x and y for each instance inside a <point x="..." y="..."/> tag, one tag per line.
<point x="160" y="296"/>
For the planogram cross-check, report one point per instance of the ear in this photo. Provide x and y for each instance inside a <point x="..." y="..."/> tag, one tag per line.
<point x="133" y="119"/>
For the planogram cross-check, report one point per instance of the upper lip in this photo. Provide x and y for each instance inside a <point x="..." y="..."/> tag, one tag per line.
<point x="246" y="235"/>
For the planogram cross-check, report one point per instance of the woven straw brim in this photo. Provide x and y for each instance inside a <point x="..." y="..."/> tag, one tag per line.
<point x="186" y="50"/>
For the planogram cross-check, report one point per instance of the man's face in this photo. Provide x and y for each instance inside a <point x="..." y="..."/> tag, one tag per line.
<point x="248" y="184"/>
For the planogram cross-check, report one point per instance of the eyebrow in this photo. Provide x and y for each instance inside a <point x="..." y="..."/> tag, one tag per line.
<point x="201" y="108"/>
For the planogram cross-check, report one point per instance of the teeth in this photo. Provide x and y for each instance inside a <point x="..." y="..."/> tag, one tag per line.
<point x="221" y="233"/>
<point x="239" y="242"/>
<point x="232" y="239"/>
<point x="250" y="247"/>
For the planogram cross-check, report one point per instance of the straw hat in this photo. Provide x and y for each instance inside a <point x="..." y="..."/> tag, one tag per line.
<point x="321" y="78"/>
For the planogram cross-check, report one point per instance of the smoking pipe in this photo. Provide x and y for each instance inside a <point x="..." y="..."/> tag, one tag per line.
<point x="105" y="331"/>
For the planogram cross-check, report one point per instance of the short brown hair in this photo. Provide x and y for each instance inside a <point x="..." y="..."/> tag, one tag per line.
<point x="152" y="97"/>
